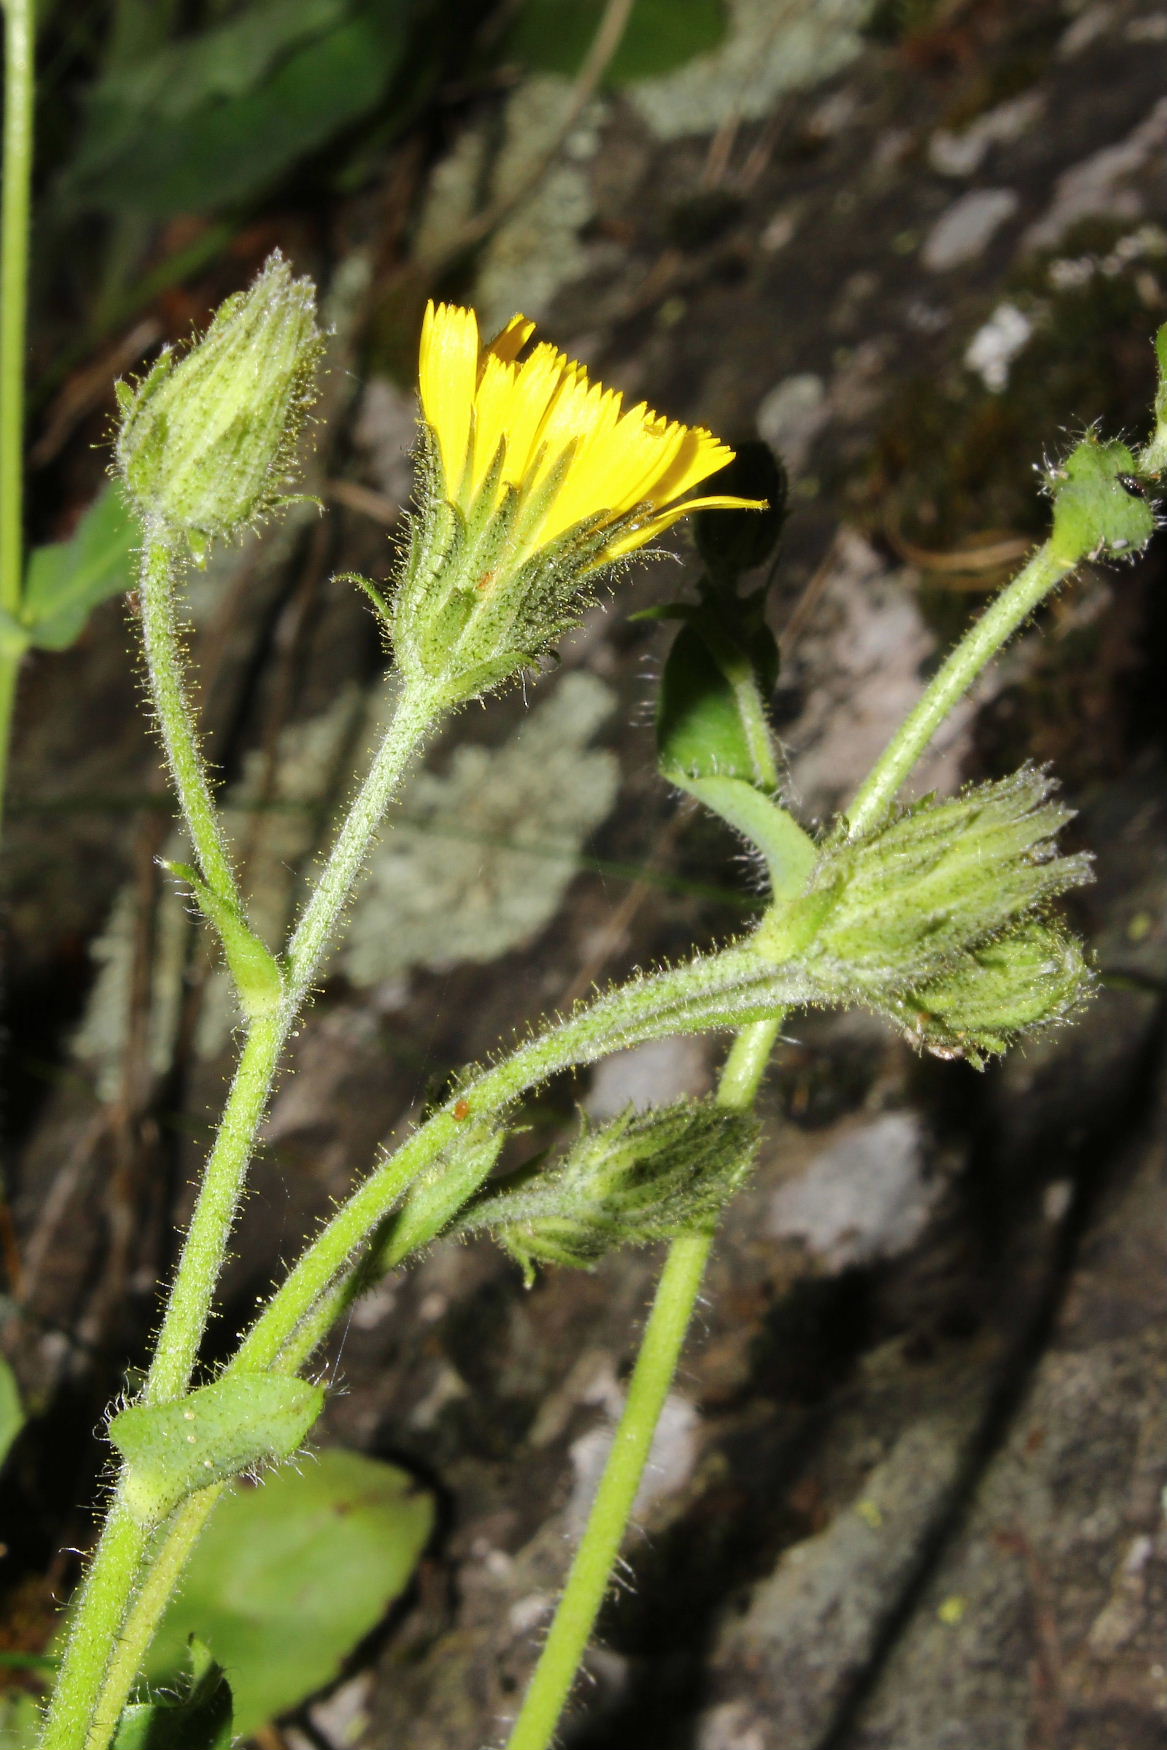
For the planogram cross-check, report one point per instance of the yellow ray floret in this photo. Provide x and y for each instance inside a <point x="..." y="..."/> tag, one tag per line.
<point x="546" y="423"/>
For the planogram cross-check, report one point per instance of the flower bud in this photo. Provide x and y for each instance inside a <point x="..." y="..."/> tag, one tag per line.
<point x="892" y="910"/>
<point x="732" y="541"/>
<point x="642" y="1177"/>
<point x="207" y="443"/>
<point x="1029" y="979"/>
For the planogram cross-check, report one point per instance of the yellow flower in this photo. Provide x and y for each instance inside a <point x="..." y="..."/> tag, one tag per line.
<point x="537" y="427"/>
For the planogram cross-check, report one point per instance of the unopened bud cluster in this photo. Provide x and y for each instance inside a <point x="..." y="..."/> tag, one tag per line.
<point x="643" y="1176"/>
<point x="936" y="918"/>
<point x="990" y="996"/>
<point x="208" y="441"/>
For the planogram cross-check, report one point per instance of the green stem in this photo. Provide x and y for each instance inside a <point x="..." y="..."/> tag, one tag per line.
<point x="1043" y="572"/>
<point x="651" y="1008"/>
<point x="656" y="1366"/>
<point x="176" y="716"/>
<point x="115" y="1593"/>
<point x="205" y="1246"/>
<point x="19" y="100"/>
<point x="10" y="661"/>
<point x="167" y="1561"/>
<point x="111" y="1582"/>
<point x="684" y="1269"/>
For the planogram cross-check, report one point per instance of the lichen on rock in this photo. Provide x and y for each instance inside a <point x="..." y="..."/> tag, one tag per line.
<point x="480" y="858"/>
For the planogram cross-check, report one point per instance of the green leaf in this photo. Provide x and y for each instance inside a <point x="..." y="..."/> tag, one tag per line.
<point x="711" y="709"/>
<point x="12" y="1417"/>
<point x="197" y="1716"/>
<point x="212" y="121"/>
<point x="699" y="726"/>
<point x="171" y="1450"/>
<point x="1098" y="505"/>
<point x="553" y="36"/>
<point x="790" y="853"/>
<point x="292" y="1574"/>
<point x="254" y="968"/>
<point x="66" y="581"/>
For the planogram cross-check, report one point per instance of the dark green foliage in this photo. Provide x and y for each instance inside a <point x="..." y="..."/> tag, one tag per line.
<point x="65" y="581"/>
<point x="553" y="36"/>
<point x="211" y="121"/>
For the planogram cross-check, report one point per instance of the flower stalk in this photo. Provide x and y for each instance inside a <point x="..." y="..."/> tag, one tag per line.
<point x="656" y="1366"/>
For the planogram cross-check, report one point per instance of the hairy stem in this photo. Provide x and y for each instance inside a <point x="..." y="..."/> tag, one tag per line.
<point x="113" y="1579"/>
<point x="1044" y="571"/>
<point x="652" y="1378"/>
<point x="205" y="1246"/>
<point x="651" y="1008"/>
<point x="177" y="718"/>
<point x="82" y="1716"/>
<point x="167" y="1559"/>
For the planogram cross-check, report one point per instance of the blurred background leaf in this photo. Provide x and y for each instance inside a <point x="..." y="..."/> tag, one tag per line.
<point x="292" y="1574"/>
<point x="66" y="580"/>
<point x="553" y="36"/>
<point x="11" y="1409"/>
<point x="211" y="121"/>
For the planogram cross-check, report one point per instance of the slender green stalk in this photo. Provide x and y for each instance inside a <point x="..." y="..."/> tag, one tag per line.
<point x="177" y="718"/>
<point x="205" y="1246"/>
<point x="656" y="1366"/>
<point x="684" y="1269"/>
<point x="111" y="1581"/>
<point x="1043" y="572"/>
<point x="19" y="99"/>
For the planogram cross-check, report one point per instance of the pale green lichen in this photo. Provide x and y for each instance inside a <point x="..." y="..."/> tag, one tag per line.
<point x="771" y="47"/>
<point x="536" y="248"/>
<point x="480" y="858"/>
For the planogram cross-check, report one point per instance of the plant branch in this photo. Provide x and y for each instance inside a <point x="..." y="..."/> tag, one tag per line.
<point x="652" y="1378"/>
<point x="980" y="644"/>
<point x="115" y="1595"/>
<point x="678" y="1001"/>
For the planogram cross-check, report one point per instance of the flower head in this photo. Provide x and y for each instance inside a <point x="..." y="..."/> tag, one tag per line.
<point x="533" y="480"/>
<point x="538" y="427"/>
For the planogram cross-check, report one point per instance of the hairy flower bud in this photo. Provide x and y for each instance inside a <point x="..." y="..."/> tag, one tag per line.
<point x="1027" y="980"/>
<point x="642" y="1177"/>
<point x="896" y="908"/>
<point x="207" y="442"/>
